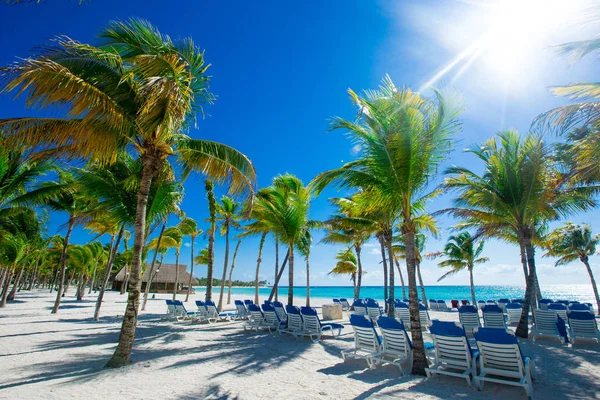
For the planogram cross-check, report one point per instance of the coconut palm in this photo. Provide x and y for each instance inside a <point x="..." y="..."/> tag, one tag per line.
<point x="237" y="247"/>
<point x="173" y="238"/>
<point x="138" y="92"/>
<point x="571" y="242"/>
<point x="189" y="227"/>
<point x="402" y="137"/>
<point x="347" y="264"/>
<point x="13" y="249"/>
<point x="462" y="253"/>
<point x="303" y="247"/>
<point x="518" y="189"/>
<point x="212" y="219"/>
<point x="228" y="215"/>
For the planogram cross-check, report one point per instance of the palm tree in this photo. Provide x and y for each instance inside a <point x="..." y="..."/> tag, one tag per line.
<point x="173" y="238"/>
<point x="227" y="214"/>
<point x="13" y="249"/>
<point x="519" y="189"/>
<point x="303" y="246"/>
<point x="212" y="219"/>
<point x="237" y="247"/>
<point x="138" y="91"/>
<point x="347" y="264"/>
<point x="571" y="242"/>
<point x="462" y="253"/>
<point x="403" y="137"/>
<point x="189" y="227"/>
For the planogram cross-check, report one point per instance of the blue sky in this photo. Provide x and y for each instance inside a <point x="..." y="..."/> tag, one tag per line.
<point x="281" y="70"/>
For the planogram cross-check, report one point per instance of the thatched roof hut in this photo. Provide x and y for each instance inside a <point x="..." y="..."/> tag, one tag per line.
<point x="163" y="280"/>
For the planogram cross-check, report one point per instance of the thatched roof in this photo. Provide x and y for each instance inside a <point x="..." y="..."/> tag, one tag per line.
<point x="166" y="273"/>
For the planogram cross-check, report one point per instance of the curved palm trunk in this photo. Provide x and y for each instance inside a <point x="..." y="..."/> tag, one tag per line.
<point x="421" y="283"/>
<point x="419" y="357"/>
<point x="401" y="277"/>
<point x="187" y="296"/>
<point x="151" y="272"/>
<point x="291" y="275"/>
<point x="585" y="261"/>
<point x="385" y="270"/>
<point x="278" y="277"/>
<point x="127" y="337"/>
<point x="212" y="209"/>
<point x="6" y="286"/>
<point x="235" y="252"/>
<point x="523" y="326"/>
<point x="472" y="285"/>
<point x="34" y="275"/>
<point x="390" y="301"/>
<point x="63" y="266"/>
<point x="94" y="278"/>
<point x="126" y="281"/>
<point x="358" y="279"/>
<point x="68" y="285"/>
<point x="353" y="277"/>
<point x="307" y="283"/>
<point x="13" y="291"/>
<point x="114" y="245"/>
<point x="55" y="280"/>
<point x="220" y="306"/>
<point x="258" y="261"/>
<point x="176" y="287"/>
<point x="276" y="268"/>
<point x="3" y="274"/>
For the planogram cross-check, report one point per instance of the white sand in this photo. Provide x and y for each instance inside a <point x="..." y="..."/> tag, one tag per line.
<point x="44" y="356"/>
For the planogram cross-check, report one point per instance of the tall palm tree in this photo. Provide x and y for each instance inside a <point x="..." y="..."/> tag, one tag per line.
<point x="212" y="219"/>
<point x="174" y="240"/>
<point x="403" y="137"/>
<point x="303" y="246"/>
<point x="228" y="215"/>
<point x="462" y="253"/>
<point x="518" y="189"/>
<point x="235" y="252"/>
<point x="189" y="227"/>
<point x="347" y="264"/>
<point x="138" y="91"/>
<point x="571" y="242"/>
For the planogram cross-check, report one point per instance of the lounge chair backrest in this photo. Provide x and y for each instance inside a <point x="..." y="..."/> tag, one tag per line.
<point x="402" y="312"/>
<point x="280" y="310"/>
<point x="295" y="322"/>
<point x="513" y="311"/>
<point x="451" y="343"/>
<point x="180" y="308"/>
<point x="242" y="312"/>
<point x="373" y="310"/>
<point x="480" y="304"/>
<point x="365" y="335"/>
<point x="560" y="309"/>
<point x="545" y="321"/>
<point x="256" y="314"/>
<point x="433" y="304"/>
<point x="442" y="306"/>
<point x="359" y="308"/>
<point x="423" y="317"/>
<point x="270" y="316"/>
<point x="544" y="303"/>
<point x="395" y="339"/>
<point x="502" y="303"/>
<point x="247" y="301"/>
<point x="454" y="303"/>
<point x="583" y="325"/>
<point x="469" y="317"/>
<point x="170" y="307"/>
<point x="500" y="353"/>
<point x="493" y="317"/>
<point x="311" y="319"/>
<point x="345" y="304"/>
<point x="212" y="308"/>
<point x="578" y="307"/>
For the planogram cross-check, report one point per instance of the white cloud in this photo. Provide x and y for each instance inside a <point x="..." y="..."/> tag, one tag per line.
<point x="187" y="244"/>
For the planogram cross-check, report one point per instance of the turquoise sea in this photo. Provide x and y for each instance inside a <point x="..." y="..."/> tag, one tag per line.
<point x="582" y="293"/>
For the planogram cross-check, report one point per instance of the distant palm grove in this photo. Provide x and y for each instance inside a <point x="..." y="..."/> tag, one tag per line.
<point x="116" y="160"/>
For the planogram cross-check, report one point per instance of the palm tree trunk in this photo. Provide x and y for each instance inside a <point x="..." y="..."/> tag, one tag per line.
<point x="278" y="277"/>
<point x="424" y="298"/>
<point x="401" y="277"/>
<point x="258" y="261"/>
<point x="93" y="278"/>
<point x="523" y="326"/>
<point x="276" y="268"/>
<point x="307" y="283"/>
<point x="354" y="284"/>
<point x="151" y="272"/>
<point x="55" y="280"/>
<point x="237" y="247"/>
<point x="538" y="291"/>
<point x="472" y="285"/>
<point x="357" y="248"/>
<point x="385" y="270"/>
<point x="125" y="281"/>
<point x="13" y="291"/>
<point x="220" y="306"/>
<point x="187" y="296"/>
<point x="175" y="288"/>
<point x="212" y="209"/>
<point x="291" y="275"/>
<point x="390" y="301"/>
<point x="63" y="265"/>
<point x="419" y="357"/>
<point x="524" y="261"/>
<point x="33" y="275"/>
<point x="114" y="245"/>
<point x="127" y="337"/>
<point x="3" y="274"/>
<point x="594" y="287"/>
<point x="6" y="286"/>
<point x="68" y="285"/>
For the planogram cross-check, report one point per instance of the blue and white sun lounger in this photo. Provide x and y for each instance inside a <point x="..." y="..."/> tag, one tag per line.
<point x="441" y="305"/>
<point x="242" y="312"/>
<point x="313" y="328"/>
<point x="396" y="347"/>
<point x="453" y="353"/>
<point x="493" y="317"/>
<point x="373" y="310"/>
<point x="469" y="318"/>
<point x="271" y="319"/>
<point x="501" y="357"/>
<point x="171" y="310"/>
<point x="295" y="323"/>
<point x="548" y="324"/>
<point x="502" y="304"/>
<point x="181" y="314"/>
<point x="582" y="325"/>
<point x="366" y="340"/>
<point x="560" y="309"/>
<point x="433" y="305"/>
<point x="480" y="304"/>
<point x="402" y="313"/>
<point x="544" y="303"/>
<point x="256" y="320"/>
<point x="345" y="304"/>
<point x="280" y="310"/>
<point x="359" y="307"/>
<point x="214" y="314"/>
<point x="513" y="312"/>
<point x="578" y="307"/>
<point x="423" y="317"/>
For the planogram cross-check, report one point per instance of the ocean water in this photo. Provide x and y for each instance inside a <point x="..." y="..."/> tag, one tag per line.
<point x="582" y="293"/>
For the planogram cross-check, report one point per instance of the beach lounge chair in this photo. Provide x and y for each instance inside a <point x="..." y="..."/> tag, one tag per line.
<point x="271" y="319"/>
<point x="314" y="328"/>
<point x="405" y="301"/>
<point x="247" y="302"/>
<point x="256" y="318"/>
<point x="402" y="313"/>
<point x="560" y="309"/>
<point x="502" y="304"/>
<point x="469" y="318"/>
<point x="280" y="310"/>
<point x="544" y="303"/>
<point x="181" y="314"/>
<point x="171" y="310"/>
<point x="578" y="307"/>
<point x="345" y="304"/>
<point x="493" y="317"/>
<point x="242" y="312"/>
<point x="481" y="304"/>
<point x="396" y="347"/>
<point x="433" y="305"/>
<point x="423" y="317"/>
<point x="513" y="312"/>
<point x="441" y="305"/>
<point x="582" y="325"/>
<point x="295" y="324"/>
<point x="453" y="353"/>
<point x="501" y="360"/>
<point x="454" y="303"/>
<point x="366" y="340"/>
<point x="359" y="307"/>
<point x="521" y="301"/>
<point x="214" y="314"/>
<point x="547" y="323"/>
<point x="373" y="310"/>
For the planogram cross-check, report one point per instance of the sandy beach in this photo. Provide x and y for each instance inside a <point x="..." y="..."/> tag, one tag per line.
<point x="62" y="357"/>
